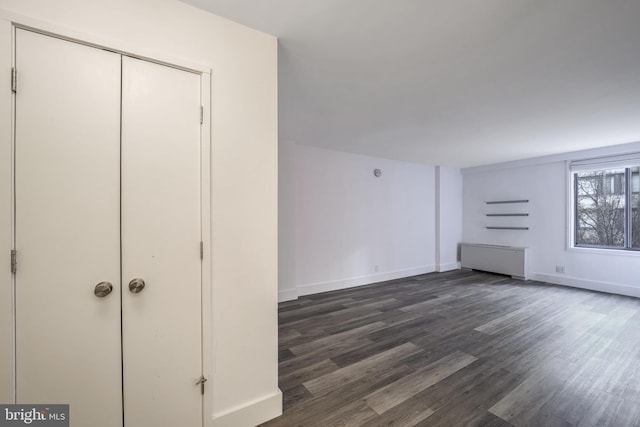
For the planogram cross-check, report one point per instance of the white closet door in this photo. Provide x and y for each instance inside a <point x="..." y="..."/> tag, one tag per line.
<point x="68" y="228"/>
<point x="161" y="245"/>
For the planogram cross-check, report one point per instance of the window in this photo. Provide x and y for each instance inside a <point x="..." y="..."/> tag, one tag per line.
<point x="606" y="203"/>
<point x="635" y="207"/>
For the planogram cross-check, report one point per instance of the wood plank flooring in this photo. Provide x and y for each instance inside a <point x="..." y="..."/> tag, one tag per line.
<point x="460" y="348"/>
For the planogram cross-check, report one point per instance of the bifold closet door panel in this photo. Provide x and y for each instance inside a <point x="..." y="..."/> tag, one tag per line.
<point x="161" y="245"/>
<point x="68" y="228"/>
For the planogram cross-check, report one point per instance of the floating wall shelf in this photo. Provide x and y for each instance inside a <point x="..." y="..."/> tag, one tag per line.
<point x="507" y="228"/>
<point x="502" y="202"/>
<point x="507" y="201"/>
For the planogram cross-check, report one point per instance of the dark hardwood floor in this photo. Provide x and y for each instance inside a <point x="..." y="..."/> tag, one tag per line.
<point x="460" y="349"/>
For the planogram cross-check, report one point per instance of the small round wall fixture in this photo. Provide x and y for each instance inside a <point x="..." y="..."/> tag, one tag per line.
<point x="377" y="173"/>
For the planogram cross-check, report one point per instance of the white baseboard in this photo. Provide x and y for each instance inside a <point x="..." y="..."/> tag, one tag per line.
<point x="448" y="267"/>
<point x="335" y="285"/>
<point x="612" y="288"/>
<point x="251" y="414"/>
<point x="287" y="295"/>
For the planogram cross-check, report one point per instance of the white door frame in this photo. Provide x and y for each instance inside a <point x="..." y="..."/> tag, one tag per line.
<point x="7" y="144"/>
<point x="7" y="324"/>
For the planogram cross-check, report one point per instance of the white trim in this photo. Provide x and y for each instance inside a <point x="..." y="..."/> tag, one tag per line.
<point x="438" y="207"/>
<point x="570" y="244"/>
<point x="335" y="285"/>
<point x="14" y="313"/>
<point x="208" y="335"/>
<point x="119" y="46"/>
<point x="205" y="72"/>
<point x="607" y="252"/>
<point x="612" y="150"/>
<point x="574" y="282"/>
<point x="569" y="214"/>
<point x="448" y="267"/>
<point x="288" y="295"/>
<point x="7" y="234"/>
<point x="251" y="414"/>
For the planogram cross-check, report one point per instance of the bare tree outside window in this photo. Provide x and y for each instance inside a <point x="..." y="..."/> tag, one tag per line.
<point x="600" y="208"/>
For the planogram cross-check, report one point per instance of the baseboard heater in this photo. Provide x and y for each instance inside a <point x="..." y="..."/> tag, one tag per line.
<point x="509" y="260"/>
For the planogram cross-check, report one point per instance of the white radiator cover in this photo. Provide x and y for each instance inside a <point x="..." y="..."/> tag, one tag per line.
<point x="509" y="260"/>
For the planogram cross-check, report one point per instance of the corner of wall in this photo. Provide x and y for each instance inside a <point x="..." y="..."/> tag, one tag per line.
<point x="288" y="295"/>
<point x="287" y="256"/>
<point x="438" y="224"/>
<point x="441" y="268"/>
<point x="448" y="204"/>
<point x="251" y="414"/>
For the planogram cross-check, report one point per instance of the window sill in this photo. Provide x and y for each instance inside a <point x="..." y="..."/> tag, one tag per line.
<point x="610" y="252"/>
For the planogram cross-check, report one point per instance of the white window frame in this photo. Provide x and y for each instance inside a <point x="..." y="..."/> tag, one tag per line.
<point x="597" y="163"/>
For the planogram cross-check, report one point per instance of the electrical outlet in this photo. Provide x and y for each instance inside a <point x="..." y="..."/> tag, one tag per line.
<point x="375" y="268"/>
<point x="560" y="269"/>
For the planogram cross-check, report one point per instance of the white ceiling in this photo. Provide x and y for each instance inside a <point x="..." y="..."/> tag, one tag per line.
<point x="452" y="82"/>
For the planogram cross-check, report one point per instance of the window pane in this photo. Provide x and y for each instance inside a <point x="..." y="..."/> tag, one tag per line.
<point x="600" y="207"/>
<point x="635" y="207"/>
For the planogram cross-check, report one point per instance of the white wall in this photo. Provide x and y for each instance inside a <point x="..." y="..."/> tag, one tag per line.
<point x="287" y="285"/>
<point x="544" y="183"/>
<point x="244" y="176"/>
<point x="448" y="217"/>
<point x="350" y="227"/>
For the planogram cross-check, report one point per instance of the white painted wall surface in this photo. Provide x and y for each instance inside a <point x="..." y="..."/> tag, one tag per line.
<point x="348" y="221"/>
<point x="448" y="217"/>
<point x="287" y="287"/>
<point x="545" y="185"/>
<point x="244" y="177"/>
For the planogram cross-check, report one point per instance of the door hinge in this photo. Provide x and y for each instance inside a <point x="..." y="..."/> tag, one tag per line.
<point x="201" y="250"/>
<point x="201" y="382"/>
<point x="14" y="261"/>
<point x="14" y="80"/>
<point x="201" y="114"/>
